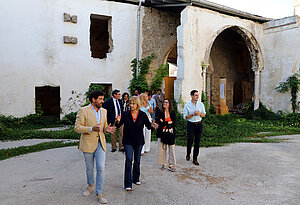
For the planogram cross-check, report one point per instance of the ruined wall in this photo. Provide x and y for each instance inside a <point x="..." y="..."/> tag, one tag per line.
<point x="33" y="52"/>
<point x="159" y="34"/>
<point x="282" y="58"/>
<point x="230" y="59"/>
<point x="196" y="35"/>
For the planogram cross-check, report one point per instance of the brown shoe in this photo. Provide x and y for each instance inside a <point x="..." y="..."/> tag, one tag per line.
<point x="88" y="190"/>
<point x="195" y="162"/>
<point x="101" y="199"/>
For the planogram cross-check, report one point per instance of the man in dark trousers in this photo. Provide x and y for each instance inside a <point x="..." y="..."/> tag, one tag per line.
<point x="194" y="111"/>
<point x="114" y="108"/>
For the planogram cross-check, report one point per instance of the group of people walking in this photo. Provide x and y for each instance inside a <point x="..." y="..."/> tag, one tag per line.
<point x="133" y="118"/>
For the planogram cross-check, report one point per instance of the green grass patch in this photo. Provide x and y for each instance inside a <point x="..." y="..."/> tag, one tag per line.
<point x="12" y="152"/>
<point x="21" y="134"/>
<point x="223" y="129"/>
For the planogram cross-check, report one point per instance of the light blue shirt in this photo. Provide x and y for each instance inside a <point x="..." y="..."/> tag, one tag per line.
<point x="152" y="103"/>
<point x="190" y="108"/>
<point x="98" y="116"/>
<point x="145" y="110"/>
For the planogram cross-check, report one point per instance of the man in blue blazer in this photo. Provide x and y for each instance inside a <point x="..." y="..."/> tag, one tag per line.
<point x="114" y="108"/>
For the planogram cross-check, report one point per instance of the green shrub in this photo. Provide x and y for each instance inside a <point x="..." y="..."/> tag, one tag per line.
<point x="12" y="152"/>
<point x="261" y="113"/>
<point x="2" y="130"/>
<point x="69" y="119"/>
<point x="21" y="134"/>
<point x="32" y="121"/>
<point x="292" y="119"/>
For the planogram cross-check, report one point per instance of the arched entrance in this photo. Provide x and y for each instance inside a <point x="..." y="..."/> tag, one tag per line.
<point x="171" y="59"/>
<point x="236" y="57"/>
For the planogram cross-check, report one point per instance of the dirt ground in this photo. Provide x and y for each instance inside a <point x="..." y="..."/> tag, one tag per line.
<point x="241" y="173"/>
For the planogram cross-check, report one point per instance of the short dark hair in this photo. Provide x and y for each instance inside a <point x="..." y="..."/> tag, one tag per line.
<point x="95" y="94"/>
<point x="159" y="89"/>
<point x="115" y="91"/>
<point x="123" y="95"/>
<point x="193" y="92"/>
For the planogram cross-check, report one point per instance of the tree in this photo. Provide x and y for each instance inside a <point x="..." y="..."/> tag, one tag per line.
<point x="292" y="84"/>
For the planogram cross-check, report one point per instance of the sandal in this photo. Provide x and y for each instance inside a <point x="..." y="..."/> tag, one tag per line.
<point x="163" y="167"/>
<point x="172" y="168"/>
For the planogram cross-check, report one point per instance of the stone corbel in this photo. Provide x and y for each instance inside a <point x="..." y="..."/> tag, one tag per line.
<point x="69" y="18"/>
<point x="70" y="40"/>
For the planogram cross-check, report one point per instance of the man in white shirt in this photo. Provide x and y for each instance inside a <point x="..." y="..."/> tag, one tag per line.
<point x="194" y="111"/>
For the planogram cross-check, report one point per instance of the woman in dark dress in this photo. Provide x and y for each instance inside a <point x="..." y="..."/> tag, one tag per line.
<point x="166" y="120"/>
<point x="134" y="121"/>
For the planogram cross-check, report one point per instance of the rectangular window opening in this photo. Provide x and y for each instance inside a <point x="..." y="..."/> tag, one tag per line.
<point x="100" y="36"/>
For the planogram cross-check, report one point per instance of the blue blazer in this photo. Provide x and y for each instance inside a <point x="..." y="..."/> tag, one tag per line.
<point x="110" y="107"/>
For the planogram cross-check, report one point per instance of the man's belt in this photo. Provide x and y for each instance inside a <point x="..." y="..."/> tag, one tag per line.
<point x="199" y="122"/>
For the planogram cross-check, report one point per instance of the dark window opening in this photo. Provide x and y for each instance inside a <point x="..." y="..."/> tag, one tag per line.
<point x="47" y="100"/>
<point x="106" y="88"/>
<point x="100" y="36"/>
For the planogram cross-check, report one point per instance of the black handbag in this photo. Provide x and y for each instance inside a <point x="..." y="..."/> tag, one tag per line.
<point x="168" y="136"/>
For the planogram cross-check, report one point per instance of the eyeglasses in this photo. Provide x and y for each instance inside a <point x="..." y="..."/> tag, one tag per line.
<point x="166" y="102"/>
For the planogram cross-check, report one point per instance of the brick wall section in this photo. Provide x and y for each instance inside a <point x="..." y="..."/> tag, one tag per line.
<point x="159" y="30"/>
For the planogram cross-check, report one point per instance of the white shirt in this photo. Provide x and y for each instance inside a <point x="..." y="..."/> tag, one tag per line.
<point x="116" y="103"/>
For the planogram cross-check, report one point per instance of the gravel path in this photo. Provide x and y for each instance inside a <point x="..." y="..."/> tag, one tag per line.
<point x="13" y="144"/>
<point x="241" y="173"/>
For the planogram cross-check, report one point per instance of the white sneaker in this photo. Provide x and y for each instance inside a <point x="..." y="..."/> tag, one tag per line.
<point x="101" y="199"/>
<point x="88" y="190"/>
<point x="138" y="183"/>
<point x="128" y="189"/>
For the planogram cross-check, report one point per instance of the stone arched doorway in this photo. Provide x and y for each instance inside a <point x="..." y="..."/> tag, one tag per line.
<point x="234" y="54"/>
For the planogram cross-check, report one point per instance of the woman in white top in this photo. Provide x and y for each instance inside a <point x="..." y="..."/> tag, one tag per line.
<point x="146" y="108"/>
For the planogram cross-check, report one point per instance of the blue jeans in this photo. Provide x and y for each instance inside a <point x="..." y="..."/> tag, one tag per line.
<point x="132" y="175"/>
<point x="99" y="157"/>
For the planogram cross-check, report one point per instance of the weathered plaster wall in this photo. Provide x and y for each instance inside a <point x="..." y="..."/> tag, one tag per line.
<point x="282" y="58"/>
<point x="159" y="34"/>
<point x="198" y="30"/>
<point x="32" y="52"/>
<point x="297" y="7"/>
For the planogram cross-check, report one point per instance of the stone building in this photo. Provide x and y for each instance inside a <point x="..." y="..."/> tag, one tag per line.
<point x="51" y="51"/>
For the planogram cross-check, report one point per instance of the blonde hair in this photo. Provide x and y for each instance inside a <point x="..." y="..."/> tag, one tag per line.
<point x="142" y="98"/>
<point x="135" y="100"/>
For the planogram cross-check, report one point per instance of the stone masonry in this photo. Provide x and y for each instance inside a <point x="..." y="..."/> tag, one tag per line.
<point x="159" y="34"/>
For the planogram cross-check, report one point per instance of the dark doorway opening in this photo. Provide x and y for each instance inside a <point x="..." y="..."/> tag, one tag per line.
<point x="47" y="98"/>
<point x="230" y="58"/>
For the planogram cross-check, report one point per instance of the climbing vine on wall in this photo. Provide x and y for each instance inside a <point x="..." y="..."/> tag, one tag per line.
<point x="139" y="82"/>
<point x="161" y="72"/>
<point x="292" y="84"/>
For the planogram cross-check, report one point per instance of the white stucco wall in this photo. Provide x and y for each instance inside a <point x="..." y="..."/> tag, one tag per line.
<point x="197" y="32"/>
<point x="32" y="52"/>
<point x="282" y="58"/>
<point x="297" y="7"/>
